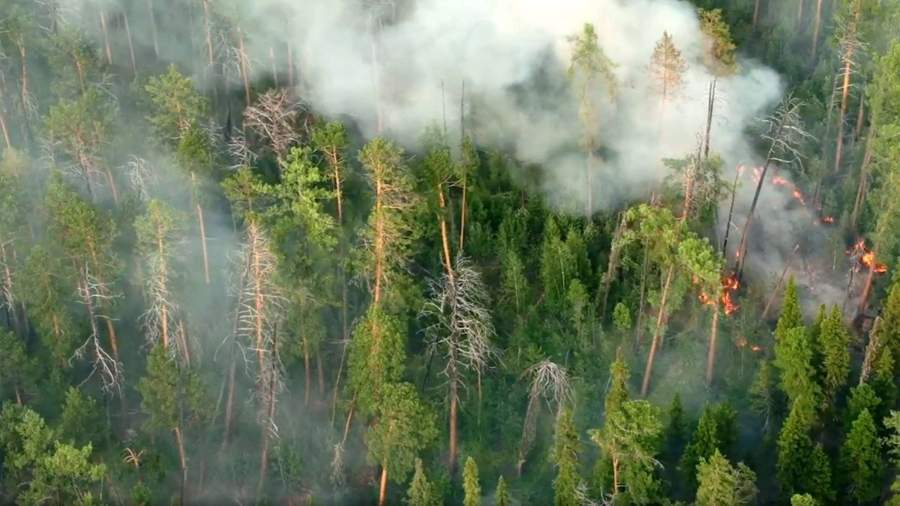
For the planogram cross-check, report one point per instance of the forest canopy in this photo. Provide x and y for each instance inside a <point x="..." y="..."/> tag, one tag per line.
<point x="426" y="252"/>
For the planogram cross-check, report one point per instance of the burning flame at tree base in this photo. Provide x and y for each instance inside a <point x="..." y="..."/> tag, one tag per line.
<point x="865" y="257"/>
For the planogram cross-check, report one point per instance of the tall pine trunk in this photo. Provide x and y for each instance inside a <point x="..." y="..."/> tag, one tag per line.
<point x="657" y="335"/>
<point x="713" y="338"/>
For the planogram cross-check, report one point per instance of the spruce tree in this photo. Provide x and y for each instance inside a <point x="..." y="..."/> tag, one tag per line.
<point x="471" y="487"/>
<point x="793" y="358"/>
<point x="834" y="343"/>
<point x="421" y="492"/>
<point x="861" y="461"/>
<point x="715" y="431"/>
<point x="724" y="484"/>
<point x="501" y="496"/>
<point x="790" y="317"/>
<point x="565" y="457"/>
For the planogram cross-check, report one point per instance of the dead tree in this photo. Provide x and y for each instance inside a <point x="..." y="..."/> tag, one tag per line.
<point x="784" y="133"/>
<point x="260" y="315"/>
<point x="93" y="294"/>
<point x="850" y="47"/>
<point x="549" y="382"/>
<point x="272" y="117"/>
<point x="461" y="334"/>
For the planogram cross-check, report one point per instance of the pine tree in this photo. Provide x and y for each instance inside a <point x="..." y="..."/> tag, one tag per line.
<point x="421" y="492"/>
<point x="404" y="426"/>
<point x="861" y="461"/>
<point x="791" y="317"/>
<point x="471" y="487"/>
<point x="801" y="466"/>
<point x="667" y="68"/>
<point x="501" y="496"/>
<point x="715" y="432"/>
<point x="793" y="358"/>
<point x="862" y="398"/>
<point x="721" y="483"/>
<point x="565" y="457"/>
<point x="631" y="439"/>
<point x="834" y="342"/>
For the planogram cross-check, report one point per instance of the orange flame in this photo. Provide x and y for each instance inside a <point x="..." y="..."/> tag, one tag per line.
<point x="828" y="220"/>
<point x="865" y="257"/>
<point x="756" y="348"/>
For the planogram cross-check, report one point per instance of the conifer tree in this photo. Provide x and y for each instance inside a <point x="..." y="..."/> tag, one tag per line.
<point x="791" y="317"/>
<point x="421" y="492"/>
<point x="721" y="483"/>
<point x="861" y="461"/>
<point x="793" y="358"/>
<point x="589" y="65"/>
<point x="801" y="465"/>
<point x="501" y="495"/>
<point x="565" y="457"/>
<point x="715" y="432"/>
<point x="404" y="426"/>
<point x="471" y="488"/>
<point x="667" y="68"/>
<point x="834" y="343"/>
<point x="631" y="439"/>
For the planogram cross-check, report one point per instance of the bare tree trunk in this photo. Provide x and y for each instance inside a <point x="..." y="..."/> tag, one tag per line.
<point x="709" y="116"/>
<point x="185" y="349"/>
<point x="867" y="289"/>
<point x="454" y="436"/>
<point x="755" y="14"/>
<point x="817" y="24"/>
<point x="209" y="44"/>
<point x="266" y="436"/>
<point x="657" y="335"/>
<point x="863" y="184"/>
<point x="613" y="265"/>
<point x="713" y="337"/>
<point x="130" y="46"/>
<point x="730" y="214"/>
<point x="112" y="185"/>
<point x="274" y="68"/>
<point x="105" y="37"/>
<point x="229" y="403"/>
<point x="639" y="326"/>
<point x="113" y="340"/>
<point x="202" y="223"/>
<point x="3" y="129"/>
<point x="845" y="96"/>
<point x="182" y="458"/>
<point x="320" y="372"/>
<point x="800" y="5"/>
<point x="153" y="32"/>
<point x="860" y="117"/>
<point x="349" y="421"/>
<point x="306" y="371"/>
<point x="382" y="488"/>
<point x="245" y="71"/>
<point x="290" y="58"/>
<point x="615" y="466"/>
<point x="379" y="242"/>
<point x="445" y="239"/>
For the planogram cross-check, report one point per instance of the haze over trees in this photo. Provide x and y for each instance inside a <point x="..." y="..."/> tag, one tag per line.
<point x="464" y="253"/>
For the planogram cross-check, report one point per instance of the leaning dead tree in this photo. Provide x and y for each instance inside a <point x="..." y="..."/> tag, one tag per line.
<point x="550" y="382"/>
<point x="461" y="336"/>
<point x="258" y="321"/>
<point x="272" y="118"/>
<point x="93" y="294"/>
<point x="784" y="133"/>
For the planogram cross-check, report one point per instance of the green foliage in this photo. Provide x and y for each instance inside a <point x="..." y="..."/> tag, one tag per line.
<point x="404" y="427"/>
<point x="622" y="317"/>
<point x="803" y="500"/>
<point x="719" y="54"/>
<point x="79" y="423"/>
<point x="862" y="398"/>
<point x="42" y="466"/>
<point x="17" y="368"/>
<point x="793" y="358"/>
<point x="376" y="358"/>
<point x="801" y="465"/>
<point x="421" y="492"/>
<point x="501" y="495"/>
<point x="177" y="107"/>
<point x="632" y="437"/>
<point x="791" y="317"/>
<point x="861" y="461"/>
<point x="471" y="488"/>
<point x="724" y="484"/>
<point x="834" y="342"/>
<point x="565" y="457"/>
<point x="715" y="432"/>
<point x="171" y="394"/>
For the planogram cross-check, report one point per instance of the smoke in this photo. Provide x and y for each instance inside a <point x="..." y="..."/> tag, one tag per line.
<point x="512" y="56"/>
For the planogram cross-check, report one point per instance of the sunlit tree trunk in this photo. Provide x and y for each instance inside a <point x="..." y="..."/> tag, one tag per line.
<point x="130" y="45"/>
<point x="657" y="335"/>
<point x="151" y="15"/>
<point x="713" y="338"/>
<point x="105" y="37"/>
<point x="817" y="25"/>
<point x="382" y="488"/>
